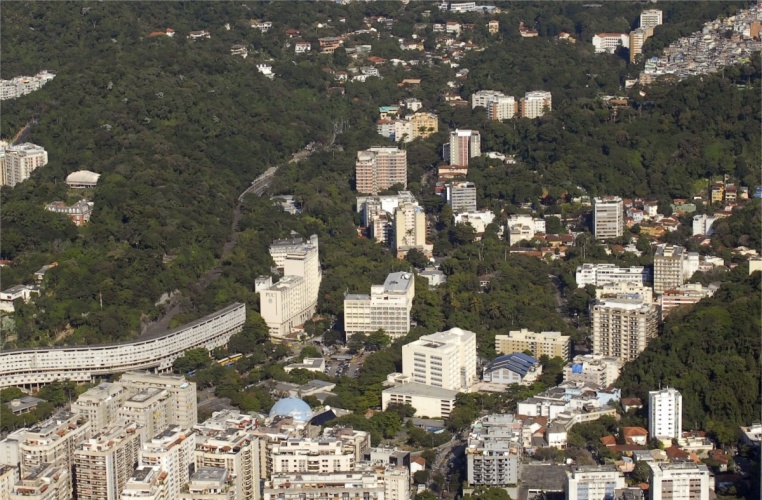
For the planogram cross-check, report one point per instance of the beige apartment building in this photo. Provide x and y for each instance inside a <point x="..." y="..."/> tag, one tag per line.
<point x="622" y="328"/>
<point x="100" y="405"/>
<point x="104" y="463"/>
<point x="380" y="168"/>
<point x="536" y="103"/>
<point x="387" y="307"/>
<point x="324" y="455"/>
<point x="173" y="452"/>
<point x="679" y="481"/>
<point x="225" y="442"/>
<point x="147" y="483"/>
<point x="608" y="217"/>
<point x="53" y="442"/>
<point x="551" y="344"/>
<point x="291" y="301"/>
<point x="44" y="482"/>
<point x="149" y="408"/>
<point x="208" y="483"/>
<point x="9" y="476"/>
<point x="409" y="229"/>
<point x="19" y="161"/>
<point x="464" y="145"/>
<point x="668" y="267"/>
<point x="183" y="408"/>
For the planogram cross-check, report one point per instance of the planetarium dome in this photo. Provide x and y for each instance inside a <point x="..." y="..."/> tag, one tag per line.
<point x="292" y="407"/>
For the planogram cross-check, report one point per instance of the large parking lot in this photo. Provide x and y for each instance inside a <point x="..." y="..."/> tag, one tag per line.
<point x="344" y="366"/>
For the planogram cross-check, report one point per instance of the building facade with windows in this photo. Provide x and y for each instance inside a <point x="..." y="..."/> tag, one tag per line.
<point x="444" y="359"/>
<point x="622" y="328"/>
<point x="464" y="145"/>
<point x="380" y="168"/>
<point x="608" y="217"/>
<point x="387" y="307"/>
<point x="665" y="414"/>
<point x="549" y="344"/>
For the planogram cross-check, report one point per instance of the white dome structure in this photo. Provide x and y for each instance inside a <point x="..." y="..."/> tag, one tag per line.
<point x="82" y="179"/>
<point x="292" y="407"/>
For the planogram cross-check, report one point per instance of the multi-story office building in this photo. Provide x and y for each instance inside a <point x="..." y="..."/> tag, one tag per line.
<point x="53" y="442"/>
<point x="602" y="274"/>
<point x="20" y="161"/>
<point x="650" y="18"/>
<point x="665" y="414"/>
<point x="100" y="404"/>
<point x="590" y="368"/>
<point x="104" y="463"/>
<point x="593" y="482"/>
<point x="668" y="267"/>
<point x="443" y="359"/>
<point x="209" y="483"/>
<point x="679" y="481"/>
<point x="536" y="103"/>
<point x="182" y="408"/>
<point x="173" y="452"/>
<point x="409" y="229"/>
<point x="551" y="344"/>
<point x="464" y="145"/>
<point x="149" y="408"/>
<point x="622" y="328"/>
<point x="44" y="482"/>
<point x="292" y="300"/>
<point x="609" y="42"/>
<point x="387" y="307"/>
<point x="493" y="454"/>
<point x="461" y="196"/>
<point x="147" y="483"/>
<point x="226" y="442"/>
<point x="380" y="168"/>
<point x="608" y="217"/>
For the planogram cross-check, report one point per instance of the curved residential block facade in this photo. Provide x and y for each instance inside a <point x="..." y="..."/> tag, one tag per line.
<point x="34" y="367"/>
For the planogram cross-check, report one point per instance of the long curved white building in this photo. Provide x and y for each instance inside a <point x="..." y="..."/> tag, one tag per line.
<point x="39" y="366"/>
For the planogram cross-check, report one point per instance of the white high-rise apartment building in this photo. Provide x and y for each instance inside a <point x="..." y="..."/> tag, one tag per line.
<point x="593" y="482"/>
<point x="665" y="414"/>
<point x="44" y="482"/>
<point x="502" y="108"/>
<point x="702" y="224"/>
<point x="443" y="359"/>
<point x="149" y="407"/>
<point x="409" y="229"/>
<point x="608" y="217"/>
<point x="380" y="168"/>
<point x="53" y="442"/>
<point x="536" y="103"/>
<point x="650" y="18"/>
<point x="293" y="300"/>
<point x="325" y="455"/>
<point x="147" y="483"/>
<point x="622" y="328"/>
<point x="668" y="267"/>
<point x="464" y="145"/>
<point x="679" y="481"/>
<point x="100" y="404"/>
<point x="387" y="307"/>
<point x="494" y="449"/>
<point x="182" y="408"/>
<point x="602" y="274"/>
<point x="173" y="452"/>
<point x="19" y="161"/>
<point x="225" y="442"/>
<point x="482" y="97"/>
<point x="461" y="196"/>
<point x="104" y="463"/>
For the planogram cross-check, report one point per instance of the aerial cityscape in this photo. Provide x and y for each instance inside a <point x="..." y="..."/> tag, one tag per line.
<point x="381" y="250"/>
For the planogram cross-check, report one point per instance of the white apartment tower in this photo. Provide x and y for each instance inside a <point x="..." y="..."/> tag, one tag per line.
<point x="18" y="162"/>
<point x="182" y="408"/>
<point x="464" y="145"/>
<point x="483" y="97"/>
<point x="679" y="481"/>
<point x="536" y="103"/>
<point x="608" y="217"/>
<point x="171" y="451"/>
<point x="493" y="454"/>
<point x="593" y="482"/>
<point x="461" y="196"/>
<point x="45" y="482"/>
<point x="409" y="229"/>
<point x="104" y="463"/>
<point x="226" y="442"/>
<point x="293" y="300"/>
<point x="100" y="404"/>
<point x="622" y="328"/>
<point x="380" y="168"/>
<point x="443" y="359"/>
<point x="387" y="307"/>
<point x="147" y="483"/>
<point x="665" y="414"/>
<point x="502" y="108"/>
<point x="650" y="18"/>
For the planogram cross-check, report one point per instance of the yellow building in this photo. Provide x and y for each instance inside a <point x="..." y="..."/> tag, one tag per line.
<point x="551" y="344"/>
<point x="424" y="124"/>
<point x="493" y="26"/>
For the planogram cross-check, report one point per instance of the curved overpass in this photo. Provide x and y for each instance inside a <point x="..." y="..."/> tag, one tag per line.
<point x="39" y="366"/>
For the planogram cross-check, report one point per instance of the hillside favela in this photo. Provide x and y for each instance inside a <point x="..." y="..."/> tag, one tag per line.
<point x="380" y="250"/>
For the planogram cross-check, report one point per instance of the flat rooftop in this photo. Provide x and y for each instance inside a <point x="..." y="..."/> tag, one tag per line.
<point x="398" y="282"/>
<point x="422" y="390"/>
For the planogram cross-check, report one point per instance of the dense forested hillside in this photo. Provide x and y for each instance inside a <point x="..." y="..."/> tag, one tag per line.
<point x="711" y="354"/>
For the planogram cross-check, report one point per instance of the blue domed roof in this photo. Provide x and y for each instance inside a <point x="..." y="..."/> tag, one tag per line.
<point x="292" y="407"/>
